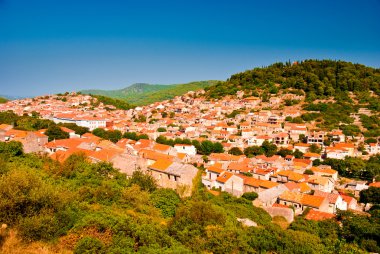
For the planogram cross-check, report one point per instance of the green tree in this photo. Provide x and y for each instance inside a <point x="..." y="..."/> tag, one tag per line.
<point x="235" y="151"/>
<point x="270" y="149"/>
<point x="54" y="132"/>
<point x="370" y="195"/>
<point x="166" y="200"/>
<point x="250" y="195"/>
<point x="145" y="181"/>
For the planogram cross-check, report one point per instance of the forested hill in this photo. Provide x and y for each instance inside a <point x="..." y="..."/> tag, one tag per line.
<point x="143" y="94"/>
<point x="318" y="78"/>
<point x="3" y="100"/>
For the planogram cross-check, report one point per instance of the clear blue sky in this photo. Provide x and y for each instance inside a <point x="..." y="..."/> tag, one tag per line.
<point x="49" y="46"/>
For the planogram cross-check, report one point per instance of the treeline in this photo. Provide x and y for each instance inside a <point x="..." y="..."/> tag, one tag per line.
<point x="205" y="147"/>
<point x="34" y="123"/>
<point x="353" y="167"/>
<point x="318" y="78"/>
<point x="92" y="208"/>
<point x="118" y="104"/>
<point x="116" y="135"/>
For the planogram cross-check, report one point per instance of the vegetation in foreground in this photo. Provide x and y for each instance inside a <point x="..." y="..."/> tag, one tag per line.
<point x="82" y="207"/>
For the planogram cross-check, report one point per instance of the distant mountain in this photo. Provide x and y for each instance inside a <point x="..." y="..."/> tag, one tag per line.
<point x="143" y="94"/>
<point x="3" y="100"/>
<point x="10" y="97"/>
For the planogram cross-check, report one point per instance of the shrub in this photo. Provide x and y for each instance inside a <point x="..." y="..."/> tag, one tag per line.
<point x="89" y="245"/>
<point x="250" y="195"/>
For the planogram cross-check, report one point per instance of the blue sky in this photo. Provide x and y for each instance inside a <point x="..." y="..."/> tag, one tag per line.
<point x="55" y="46"/>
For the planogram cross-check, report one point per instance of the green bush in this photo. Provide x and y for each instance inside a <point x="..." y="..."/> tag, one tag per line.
<point x="89" y="245"/>
<point x="250" y="195"/>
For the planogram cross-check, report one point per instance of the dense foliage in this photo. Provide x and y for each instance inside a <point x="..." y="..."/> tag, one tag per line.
<point x="353" y="167"/>
<point x="93" y="208"/>
<point x="318" y="78"/>
<point x="119" y="104"/>
<point x="33" y="123"/>
<point x="205" y="147"/>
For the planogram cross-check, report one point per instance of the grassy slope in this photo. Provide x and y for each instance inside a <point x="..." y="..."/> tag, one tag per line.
<point x="143" y="94"/>
<point x="3" y="100"/>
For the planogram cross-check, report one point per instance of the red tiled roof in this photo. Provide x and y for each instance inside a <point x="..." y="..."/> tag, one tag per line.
<point x="318" y="216"/>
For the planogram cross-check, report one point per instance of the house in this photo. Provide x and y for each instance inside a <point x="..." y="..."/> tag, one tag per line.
<point x="316" y="137"/>
<point x="352" y="203"/>
<point x="230" y="183"/>
<point x="256" y="185"/>
<point x="174" y="175"/>
<point x="304" y="148"/>
<point x="324" y="170"/>
<point x="302" y="201"/>
<point x="285" y="176"/>
<point x="268" y="197"/>
<point x="336" y="202"/>
<point x="321" y="183"/>
<point x="211" y="174"/>
<point x="312" y="156"/>
<point x="338" y="136"/>
<point x="372" y="148"/>
<point x="187" y="149"/>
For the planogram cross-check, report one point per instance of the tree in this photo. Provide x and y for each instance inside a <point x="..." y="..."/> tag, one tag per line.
<point x="12" y="148"/>
<point x="315" y="149"/>
<point x="235" y="151"/>
<point x="207" y="147"/>
<point x="308" y="172"/>
<point x="145" y="181"/>
<point x="270" y="149"/>
<point x="252" y="151"/>
<point x="283" y="152"/>
<point x="371" y="195"/>
<point x="161" y="129"/>
<point x="250" y="195"/>
<point x="298" y="154"/>
<point x="218" y="148"/>
<point x="54" y="132"/>
<point x="166" y="200"/>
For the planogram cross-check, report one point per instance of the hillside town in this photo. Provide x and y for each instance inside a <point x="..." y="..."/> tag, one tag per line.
<point x="286" y="185"/>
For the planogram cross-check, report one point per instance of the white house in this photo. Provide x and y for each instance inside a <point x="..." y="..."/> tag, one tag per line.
<point x="187" y="149"/>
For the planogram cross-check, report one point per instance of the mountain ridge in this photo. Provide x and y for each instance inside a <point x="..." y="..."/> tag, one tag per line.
<point x="144" y="93"/>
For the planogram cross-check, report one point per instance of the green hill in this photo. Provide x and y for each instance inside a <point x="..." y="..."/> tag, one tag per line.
<point x="143" y="94"/>
<point x="3" y="100"/>
<point x="318" y="78"/>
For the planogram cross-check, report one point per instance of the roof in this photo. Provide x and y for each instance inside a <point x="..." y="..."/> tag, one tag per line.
<point x="318" y="216"/>
<point x="250" y="181"/>
<point x="292" y="176"/>
<point x="304" y="199"/>
<point x="215" y="169"/>
<point x="67" y="129"/>
<point x="161" y="147"/>
<point x="224" y="177"/>
<point x="332" y="197"/>
<point x="161" y="164"/>
<point x="375" y="184"/>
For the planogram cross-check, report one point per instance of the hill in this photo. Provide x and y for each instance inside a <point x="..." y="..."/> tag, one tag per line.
<point x="143" y="94"/>
<point x="3" y="100"/>
<point x="317" y="78"/>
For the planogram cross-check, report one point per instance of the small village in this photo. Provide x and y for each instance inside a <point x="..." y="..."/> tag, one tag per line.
<point x="286" y="186"/>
